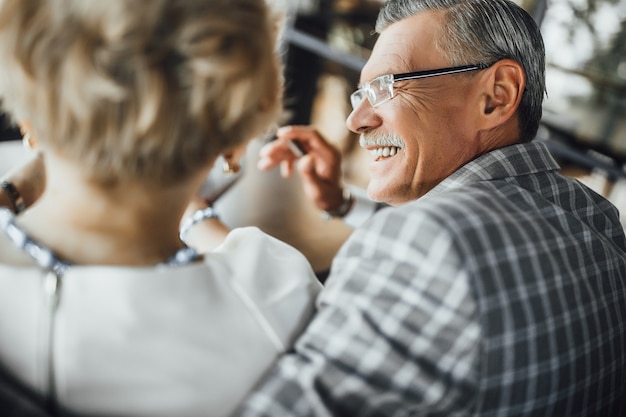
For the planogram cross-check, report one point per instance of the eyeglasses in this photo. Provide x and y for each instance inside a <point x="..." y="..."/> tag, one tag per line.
<point x="380" y="90"/>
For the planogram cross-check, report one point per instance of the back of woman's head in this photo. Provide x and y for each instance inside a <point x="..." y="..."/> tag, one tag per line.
<point x="140" y="91"/>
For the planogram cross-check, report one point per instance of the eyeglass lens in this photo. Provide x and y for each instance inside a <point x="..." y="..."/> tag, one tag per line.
<point x="377" y="91"/>
<point x="380" y="89"/>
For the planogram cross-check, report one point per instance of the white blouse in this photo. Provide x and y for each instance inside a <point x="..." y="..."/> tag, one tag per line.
<point x="155" y="341"/>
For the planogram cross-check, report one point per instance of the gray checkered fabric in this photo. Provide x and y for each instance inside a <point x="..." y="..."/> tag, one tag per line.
<point x="502" y="292"/>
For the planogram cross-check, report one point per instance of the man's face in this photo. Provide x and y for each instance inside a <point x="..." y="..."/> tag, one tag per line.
<point x="432" y="119"/>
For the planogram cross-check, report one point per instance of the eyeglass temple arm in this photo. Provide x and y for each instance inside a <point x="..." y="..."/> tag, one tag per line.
<point x="445" y="71"/>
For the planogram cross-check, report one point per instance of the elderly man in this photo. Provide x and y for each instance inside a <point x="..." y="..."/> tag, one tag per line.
<point x="494" y="286"/>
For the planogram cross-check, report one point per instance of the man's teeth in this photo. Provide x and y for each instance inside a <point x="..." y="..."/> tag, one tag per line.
<point x="385" y="151"/>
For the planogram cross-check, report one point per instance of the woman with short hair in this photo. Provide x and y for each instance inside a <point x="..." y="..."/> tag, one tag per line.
<point x="103" y="309"/>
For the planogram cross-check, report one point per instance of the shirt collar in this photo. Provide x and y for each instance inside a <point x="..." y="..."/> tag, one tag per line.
<point x="510" y="161"/>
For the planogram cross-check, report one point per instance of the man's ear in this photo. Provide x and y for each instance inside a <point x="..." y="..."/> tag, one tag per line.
<point x="504" y="86"/>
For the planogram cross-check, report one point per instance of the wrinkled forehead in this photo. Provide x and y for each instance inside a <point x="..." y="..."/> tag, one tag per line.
<point x="405" y="46"/>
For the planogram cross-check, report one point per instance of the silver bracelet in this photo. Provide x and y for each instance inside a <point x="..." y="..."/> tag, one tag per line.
<point x="197" y="216"/>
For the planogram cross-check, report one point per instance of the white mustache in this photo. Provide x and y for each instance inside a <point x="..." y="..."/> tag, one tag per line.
<point x="370" y="139"/>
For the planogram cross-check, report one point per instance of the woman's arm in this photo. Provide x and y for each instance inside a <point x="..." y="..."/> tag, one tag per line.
<point x="201" y="227"/>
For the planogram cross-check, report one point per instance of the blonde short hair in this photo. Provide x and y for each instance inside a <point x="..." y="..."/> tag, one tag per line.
<point x="148" y="91"/>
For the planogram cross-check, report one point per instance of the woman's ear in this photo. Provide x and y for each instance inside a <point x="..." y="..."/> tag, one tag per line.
<point x="503" y="89"/>
<point x="232" y="158"/>
<point x="28" y="138"/>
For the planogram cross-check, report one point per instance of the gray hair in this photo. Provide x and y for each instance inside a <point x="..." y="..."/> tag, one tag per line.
<point x="485" y="31"/>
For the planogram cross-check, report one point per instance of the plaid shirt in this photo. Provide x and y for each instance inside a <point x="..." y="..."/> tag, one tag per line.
<point x="502" y="292"/>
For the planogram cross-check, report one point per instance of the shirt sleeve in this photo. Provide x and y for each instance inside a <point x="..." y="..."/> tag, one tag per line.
<point x="395" y="334"/>
<point x="274" y="280"/>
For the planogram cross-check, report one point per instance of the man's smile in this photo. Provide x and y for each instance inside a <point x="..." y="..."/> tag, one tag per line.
<point x="384" y="152"/>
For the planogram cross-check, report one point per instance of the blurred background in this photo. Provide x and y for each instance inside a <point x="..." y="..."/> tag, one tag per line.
<point x="326" y="43"/>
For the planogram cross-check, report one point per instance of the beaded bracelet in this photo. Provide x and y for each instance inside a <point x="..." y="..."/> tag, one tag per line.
<point x="15" y="198"/>
<point x="196" y="217"/>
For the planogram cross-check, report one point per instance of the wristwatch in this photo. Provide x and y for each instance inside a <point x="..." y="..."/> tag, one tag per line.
<point x="343" y="209"/>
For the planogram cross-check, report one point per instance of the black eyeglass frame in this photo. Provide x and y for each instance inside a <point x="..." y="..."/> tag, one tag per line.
<point x="441" y="71"/>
